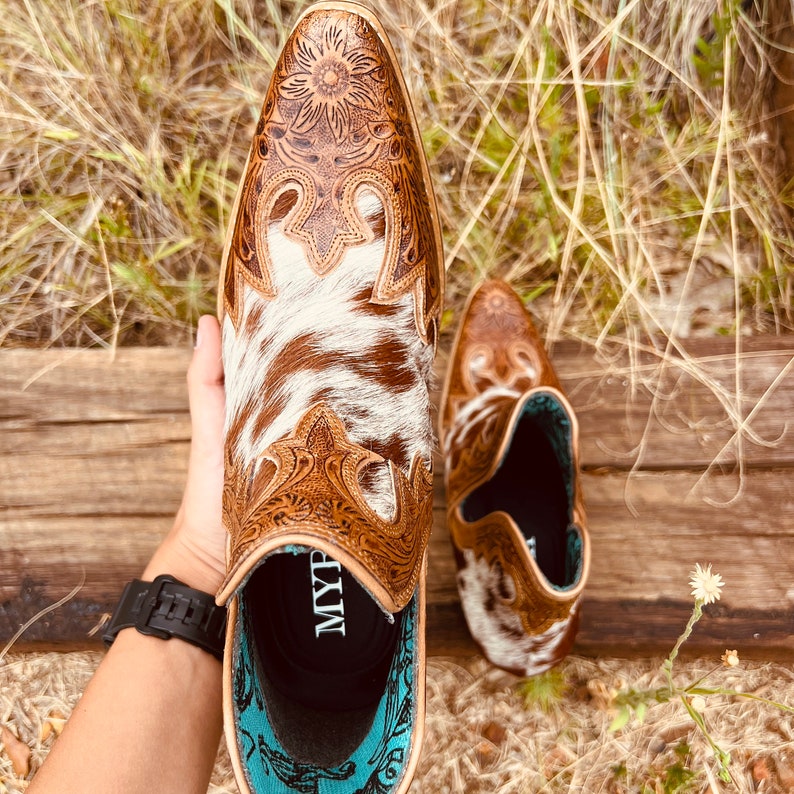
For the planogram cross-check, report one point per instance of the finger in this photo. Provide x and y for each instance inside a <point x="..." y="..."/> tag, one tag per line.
<point x="205" y="388"/>
<point x="207" y="366"/>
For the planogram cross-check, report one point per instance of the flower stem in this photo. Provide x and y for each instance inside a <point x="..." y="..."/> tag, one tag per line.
<point x="694" y="689"/>
<point x="723" y="759"/>
<point x="667" y="666"/>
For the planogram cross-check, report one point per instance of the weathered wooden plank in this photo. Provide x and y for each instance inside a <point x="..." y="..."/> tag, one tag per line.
<point x="83" y="433"/>
<point x="781" y="30"/>
<point x="692" y="414"/>
<point x="42" y="560"/>
<point x="93" y="456"/>
<point x="101" y="468"/>
<point x="621" y="628"/>
<point x="636" y="549"/>
<point x="641" y="561"/>
<point x="686" y="426"/>
<point x="80" y="386"/>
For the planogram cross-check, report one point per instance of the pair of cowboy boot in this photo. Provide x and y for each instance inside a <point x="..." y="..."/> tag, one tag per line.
<point x="330" y="296"/>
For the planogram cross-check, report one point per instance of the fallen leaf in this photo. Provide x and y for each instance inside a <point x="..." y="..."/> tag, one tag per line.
<point x="599" y="693"/>
<point x="494" y="732"/>
<point x="17" y="751"/>
<point x="760" y="770"/>
<point x="49" y="727"/>
<point x="485" y="753"/>
<point x="557" y="759"/>
<point x="53" y="723"/>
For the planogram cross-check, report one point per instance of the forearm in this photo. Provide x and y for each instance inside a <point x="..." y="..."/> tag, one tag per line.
<point x="150" y="719"/>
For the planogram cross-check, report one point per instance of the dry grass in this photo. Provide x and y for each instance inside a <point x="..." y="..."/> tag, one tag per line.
<point x="482" y="739"/>
<point x="615" y="160"/>
<point x="593" y="153"/>
<point x="124" y="127"/>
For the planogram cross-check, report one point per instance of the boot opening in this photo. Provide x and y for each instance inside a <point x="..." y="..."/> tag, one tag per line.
<point x="323" y="650"/>
<point x="534" y="485"/>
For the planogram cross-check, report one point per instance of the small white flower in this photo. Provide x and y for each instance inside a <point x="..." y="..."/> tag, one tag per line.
<point x="705" y="584"/>
<point x="730" y="658"/>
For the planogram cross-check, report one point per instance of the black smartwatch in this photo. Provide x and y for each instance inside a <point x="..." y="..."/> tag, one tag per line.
<point x="168" y="608"/>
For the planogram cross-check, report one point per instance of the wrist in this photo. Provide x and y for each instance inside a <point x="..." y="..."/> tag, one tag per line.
<point x="165" y="608"/>
<point x="179" y="558"/>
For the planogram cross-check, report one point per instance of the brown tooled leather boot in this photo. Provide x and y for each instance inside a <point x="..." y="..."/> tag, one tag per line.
<point x="514" y="504"/>
<point x="331" y="291"/>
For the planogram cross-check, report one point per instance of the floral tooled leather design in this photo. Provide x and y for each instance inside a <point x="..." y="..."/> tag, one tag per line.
<point x="309" y="486"/>
<point x="336" y="118"/>
<point x="498" y="355"/>
<point x="497" y="345"/>
<point x="471" y="455"/>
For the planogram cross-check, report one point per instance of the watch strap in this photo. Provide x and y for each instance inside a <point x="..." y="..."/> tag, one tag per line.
<point x="168" y="608"/>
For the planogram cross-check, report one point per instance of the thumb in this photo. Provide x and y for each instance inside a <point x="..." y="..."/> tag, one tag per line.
<point x="205" y="386"/>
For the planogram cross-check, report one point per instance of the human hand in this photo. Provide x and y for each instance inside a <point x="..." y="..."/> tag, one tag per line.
<point x="194" y="550"/>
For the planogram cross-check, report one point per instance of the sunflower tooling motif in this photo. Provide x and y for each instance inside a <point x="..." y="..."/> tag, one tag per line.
<point x="329" y="81"/>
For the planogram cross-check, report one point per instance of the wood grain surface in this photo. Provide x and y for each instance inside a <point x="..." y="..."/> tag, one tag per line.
<point x="693" y="465"/>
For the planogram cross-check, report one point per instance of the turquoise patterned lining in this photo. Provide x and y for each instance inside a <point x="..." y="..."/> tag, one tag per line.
<point x="573" y="558"/>
<point x="376" y="767"/>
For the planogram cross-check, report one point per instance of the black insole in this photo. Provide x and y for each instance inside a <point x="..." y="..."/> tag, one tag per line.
<point x="530" y="487"/>
<point x="324" y="649"/>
